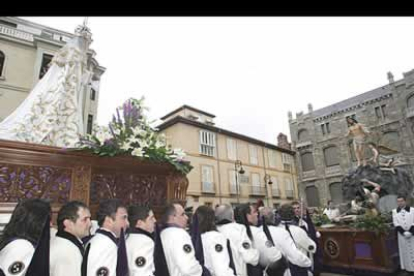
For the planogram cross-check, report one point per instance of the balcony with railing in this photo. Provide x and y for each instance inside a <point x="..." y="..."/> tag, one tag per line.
<point x="258" y="190"/>
<point x="16" y="33"/>
<point x="275" y="192"/>
<point x="289" y="193"/>
<point x="208" y="187"/>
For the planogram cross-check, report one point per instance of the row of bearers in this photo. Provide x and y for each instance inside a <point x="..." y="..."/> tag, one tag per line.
<point x="221" y="242"/>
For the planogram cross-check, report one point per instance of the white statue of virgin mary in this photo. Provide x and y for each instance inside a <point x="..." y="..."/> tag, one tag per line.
<point x="52" y="113"/>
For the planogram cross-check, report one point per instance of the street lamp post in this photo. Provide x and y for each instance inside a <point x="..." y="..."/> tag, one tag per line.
<point x="238" y="165"/>
<point x="267" y="180"/>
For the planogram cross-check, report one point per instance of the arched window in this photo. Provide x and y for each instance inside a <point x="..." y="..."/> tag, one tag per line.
<point x="303" y="135"/>
<point x="307" y="161"/>
<point x="2" y="59"/>
<point x="312" y="196"/>
<point x="331" y="156"/>
<point x="336" y="192"/>
<point x="391" y="140"/>
<point x="410" y="101"/>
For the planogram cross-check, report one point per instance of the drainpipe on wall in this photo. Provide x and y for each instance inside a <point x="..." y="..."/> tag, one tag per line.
<point x="218" y="168"/>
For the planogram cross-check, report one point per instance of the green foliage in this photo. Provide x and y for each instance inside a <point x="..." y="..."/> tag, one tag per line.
<point x="379" y="224"/>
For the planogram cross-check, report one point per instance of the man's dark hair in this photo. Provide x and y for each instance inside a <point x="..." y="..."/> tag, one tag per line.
<point x="206" y="219"/>
<point x="286" y="212"/>
<point x="329" y="201"/>
<point x="240" y="213"/>
<point x="167" y="211"/>
<point x="402" y="196"/>
<point x="137" y="212"/>
<point x="27" y="221"/>
<point x="240" y="216"/>
<point x="295" y="203"/>
<point x="69" y="211"/>
<point x="108" y="208"/>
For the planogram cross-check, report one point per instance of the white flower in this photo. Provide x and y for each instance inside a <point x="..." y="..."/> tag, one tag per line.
<point x="134" y="140"/>
<point x="159" y="144"/>
<point x="117" y="131"/>
<point x="143" y="143"/>
<point x="126" y="146"/>
<point x="138" y="152"/>
<point x="103" y="134"/>
<point x="138" y="131"/>
<point x="178" y="154"/>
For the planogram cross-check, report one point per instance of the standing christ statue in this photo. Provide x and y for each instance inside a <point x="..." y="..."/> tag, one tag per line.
<point x="359" y="134"/>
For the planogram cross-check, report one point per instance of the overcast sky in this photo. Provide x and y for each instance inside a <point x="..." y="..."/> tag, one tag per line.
<point x="248" y="71"/>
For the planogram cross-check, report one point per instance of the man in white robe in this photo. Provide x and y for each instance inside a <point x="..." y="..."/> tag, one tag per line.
<point x="66" y="249"/>
<point x="242" y="249"/>
<point x="140" y="242"/>
<point x="284" y="242"/>
<point x="176" y="243"/>
<point x="403" y="220"/>
<point x="102" y="259"/>
<point x="268" y="253"/>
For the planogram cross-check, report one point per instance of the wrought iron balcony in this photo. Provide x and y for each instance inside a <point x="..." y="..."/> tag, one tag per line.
<point x="258" y="190"/>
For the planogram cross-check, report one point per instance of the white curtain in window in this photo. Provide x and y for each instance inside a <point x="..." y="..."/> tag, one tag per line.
<point x="207" y="174"/>
<point x="255" y="179"/>
<point x="272" y="158"/>
<point x="231" y="149"/>
<point x="253" y="154"/>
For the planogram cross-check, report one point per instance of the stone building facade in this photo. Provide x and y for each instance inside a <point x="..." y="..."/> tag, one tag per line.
<point x="325" y="154"/>
<point x="269" y="171"/>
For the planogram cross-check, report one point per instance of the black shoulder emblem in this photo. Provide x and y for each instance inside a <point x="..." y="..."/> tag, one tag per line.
<point x="140" y="261"/>
<point x="16" y="268"/>
<point x="187" y="248"/>
<point x="219" y="247"/>
<point x="102" y="271"/>
<point x="268" y="243"/>
<point x="246" y="245"/>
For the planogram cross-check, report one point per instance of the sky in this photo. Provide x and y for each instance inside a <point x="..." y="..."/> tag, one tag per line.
<point x="248" y="71"/>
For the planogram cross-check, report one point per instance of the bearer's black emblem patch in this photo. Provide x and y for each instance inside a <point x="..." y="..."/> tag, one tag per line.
<point x="140" y="261"/>
<point x="16" y="267"/>
<point x="219" y="248"/>
<point x="246" y="245"/>
<point x="187" y="248"/>
<point x="102" y="271"/>
<point x="268" y="243"/>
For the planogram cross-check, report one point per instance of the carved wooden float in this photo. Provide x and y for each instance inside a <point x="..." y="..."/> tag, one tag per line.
<point x="38" y="171"/>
